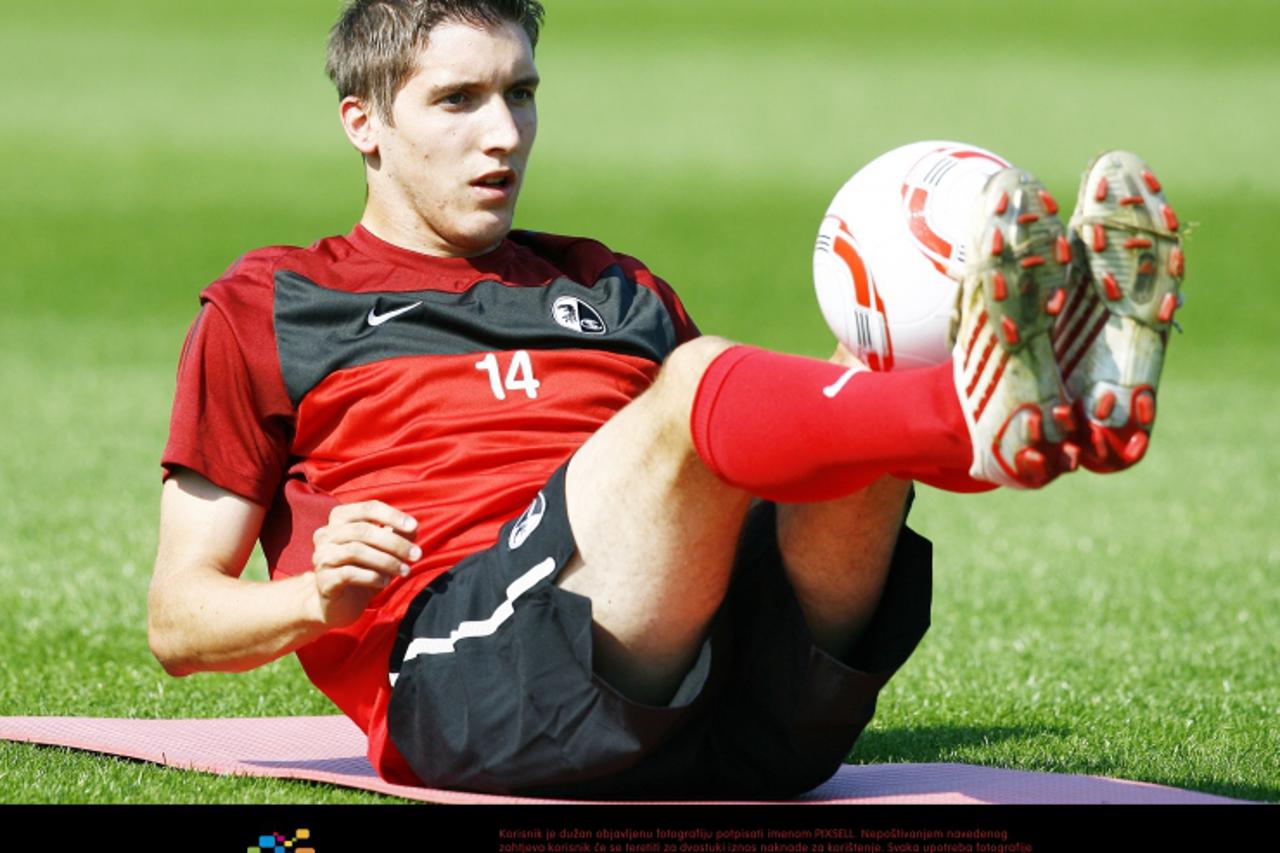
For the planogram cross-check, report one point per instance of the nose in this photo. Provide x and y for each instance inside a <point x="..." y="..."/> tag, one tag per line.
<point x="503" y="130"/>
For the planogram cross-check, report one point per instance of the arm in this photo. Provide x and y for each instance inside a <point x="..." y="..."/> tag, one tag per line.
<point x="203" y="617"/>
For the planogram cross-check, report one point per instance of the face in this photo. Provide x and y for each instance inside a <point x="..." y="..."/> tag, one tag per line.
<point x="445" y="177"/>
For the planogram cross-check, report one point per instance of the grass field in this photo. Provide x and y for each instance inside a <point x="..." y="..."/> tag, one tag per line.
<point x="1125" y="626"/>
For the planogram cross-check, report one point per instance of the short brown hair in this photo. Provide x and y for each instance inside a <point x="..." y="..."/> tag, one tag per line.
<point x="374" y="45"/>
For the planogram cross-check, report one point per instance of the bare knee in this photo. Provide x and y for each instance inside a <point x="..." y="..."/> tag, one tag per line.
<point x="677" y="384"/>
<point x="651" y="435"/>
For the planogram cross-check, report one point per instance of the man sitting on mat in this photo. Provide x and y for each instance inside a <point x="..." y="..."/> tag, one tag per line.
<point x="525" y="526"/>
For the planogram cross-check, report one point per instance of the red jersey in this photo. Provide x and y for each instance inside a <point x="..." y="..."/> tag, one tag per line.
<point x="449" y="388"/>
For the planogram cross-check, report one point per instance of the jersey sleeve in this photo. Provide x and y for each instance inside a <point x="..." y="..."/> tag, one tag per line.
<point x="230" y="422"/>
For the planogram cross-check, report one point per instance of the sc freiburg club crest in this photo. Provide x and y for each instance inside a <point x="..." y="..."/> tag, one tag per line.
<point x="572" y="313"/>
<point x="527" y="522"/>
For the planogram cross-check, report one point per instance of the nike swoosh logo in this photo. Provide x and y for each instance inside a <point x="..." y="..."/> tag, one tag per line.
<point x="376" y="319"/>
<point x="836" y="387"/>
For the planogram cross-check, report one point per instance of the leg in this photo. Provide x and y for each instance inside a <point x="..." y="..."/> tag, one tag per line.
<point x="623" y="576"/>
<point x="836" y="553"/>
<point x="836" y="557"/>
<point x="656" y="533"/>
<point x="657" y="519"/>
<point x="791" y="711"/>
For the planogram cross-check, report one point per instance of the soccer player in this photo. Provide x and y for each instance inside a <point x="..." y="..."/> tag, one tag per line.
<point x="526" y="526"/>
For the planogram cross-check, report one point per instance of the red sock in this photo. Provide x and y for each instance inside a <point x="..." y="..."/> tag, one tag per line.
<point x="795" y="429"/>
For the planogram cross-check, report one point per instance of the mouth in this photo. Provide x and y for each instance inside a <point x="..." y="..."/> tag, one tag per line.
<point x="500" y="179"/>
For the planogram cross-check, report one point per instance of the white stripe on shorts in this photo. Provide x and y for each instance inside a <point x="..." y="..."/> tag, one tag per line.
<point x="481" y="627"/>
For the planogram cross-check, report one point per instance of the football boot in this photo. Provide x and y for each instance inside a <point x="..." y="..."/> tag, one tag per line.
<point x="1014" y="282"/>
<point x="1111" y="336"/>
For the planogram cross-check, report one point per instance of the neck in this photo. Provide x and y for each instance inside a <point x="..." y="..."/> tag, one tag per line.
<point x="412" y="234"/>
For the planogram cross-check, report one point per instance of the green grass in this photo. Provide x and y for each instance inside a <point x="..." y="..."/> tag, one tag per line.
<point x="1123" y="626"/>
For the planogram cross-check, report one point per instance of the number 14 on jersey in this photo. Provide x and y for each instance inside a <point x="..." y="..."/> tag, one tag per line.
<point x="519" y="375"/>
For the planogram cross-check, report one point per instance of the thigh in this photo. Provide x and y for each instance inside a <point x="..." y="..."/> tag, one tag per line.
<point x="656" y="532"/>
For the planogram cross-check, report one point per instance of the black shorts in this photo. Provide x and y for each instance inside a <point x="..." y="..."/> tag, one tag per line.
<point x="494" y="687"/>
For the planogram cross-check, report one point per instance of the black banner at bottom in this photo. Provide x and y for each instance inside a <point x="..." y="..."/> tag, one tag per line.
<point x="640" y="829"/>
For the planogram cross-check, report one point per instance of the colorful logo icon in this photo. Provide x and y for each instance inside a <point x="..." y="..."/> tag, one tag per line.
<point x="277" y="843"/>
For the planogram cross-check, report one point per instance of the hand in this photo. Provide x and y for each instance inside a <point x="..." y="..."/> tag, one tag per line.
<point x="356" y="554"/>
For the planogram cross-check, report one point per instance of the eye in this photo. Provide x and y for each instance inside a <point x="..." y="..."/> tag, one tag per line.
<point x="454" y="99"/>
<point x="522" y="93"/>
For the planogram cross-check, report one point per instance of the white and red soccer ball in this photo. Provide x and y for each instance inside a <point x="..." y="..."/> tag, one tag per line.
<point x="890" y="249"/>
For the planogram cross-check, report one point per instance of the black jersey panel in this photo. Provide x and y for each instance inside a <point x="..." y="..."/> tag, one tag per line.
<point x="320" y="330"/>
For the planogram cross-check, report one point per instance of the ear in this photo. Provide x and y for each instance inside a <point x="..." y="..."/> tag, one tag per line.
<point x="360" y="123"/>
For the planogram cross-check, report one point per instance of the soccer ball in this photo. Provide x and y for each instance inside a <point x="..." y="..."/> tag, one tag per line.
<point x="891" y="248"/>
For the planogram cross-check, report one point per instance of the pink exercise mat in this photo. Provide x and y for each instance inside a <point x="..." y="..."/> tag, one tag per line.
<point x="331" y="749"/>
